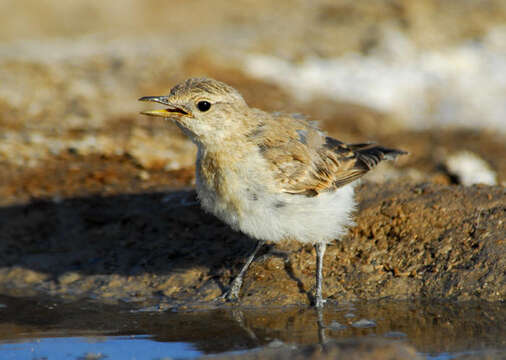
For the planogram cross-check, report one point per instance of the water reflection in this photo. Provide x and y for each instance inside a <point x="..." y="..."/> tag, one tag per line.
<point x="431" y="328"/>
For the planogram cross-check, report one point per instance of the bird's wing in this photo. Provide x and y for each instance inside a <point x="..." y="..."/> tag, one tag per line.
<point x="305" y="161"/>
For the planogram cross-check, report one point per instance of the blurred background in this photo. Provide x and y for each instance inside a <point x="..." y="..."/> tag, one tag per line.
<point x="427" y="76"/>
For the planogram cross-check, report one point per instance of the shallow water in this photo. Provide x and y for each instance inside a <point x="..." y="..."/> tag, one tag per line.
<point x="41" y="329"/>
<point x="110" y="347"/>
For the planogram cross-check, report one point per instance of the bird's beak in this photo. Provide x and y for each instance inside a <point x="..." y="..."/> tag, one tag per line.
<point x="170" y="111"/>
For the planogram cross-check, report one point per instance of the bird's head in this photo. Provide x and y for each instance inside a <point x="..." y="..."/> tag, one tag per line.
<point x="208" y="111"/>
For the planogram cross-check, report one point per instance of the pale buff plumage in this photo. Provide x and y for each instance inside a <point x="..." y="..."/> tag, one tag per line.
<point x="271" y="176"/>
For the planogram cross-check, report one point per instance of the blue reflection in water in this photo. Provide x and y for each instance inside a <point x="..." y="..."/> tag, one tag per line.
<point x="110" y="348"/>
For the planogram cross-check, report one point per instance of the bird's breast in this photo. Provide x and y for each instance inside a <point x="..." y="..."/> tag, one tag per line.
<point x="221" y="183"/>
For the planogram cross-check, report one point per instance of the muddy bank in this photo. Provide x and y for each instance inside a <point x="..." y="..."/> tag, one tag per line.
<point x="91" y="207"/>
<point x="411" y="241"/>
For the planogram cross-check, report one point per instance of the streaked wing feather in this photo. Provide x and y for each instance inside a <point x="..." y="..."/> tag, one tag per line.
<point x="307" y="162"/>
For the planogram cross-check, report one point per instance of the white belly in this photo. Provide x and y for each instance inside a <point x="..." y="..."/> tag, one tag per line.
<point x="241" y="197"/>
<point x="321" y="218"/>
<point x="266" y="216"/>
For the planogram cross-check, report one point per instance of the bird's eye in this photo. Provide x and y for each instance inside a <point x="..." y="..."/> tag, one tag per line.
<point x="204" y="105"/>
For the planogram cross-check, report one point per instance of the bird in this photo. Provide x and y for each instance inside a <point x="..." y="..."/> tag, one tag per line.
<point x="271" y="176"/>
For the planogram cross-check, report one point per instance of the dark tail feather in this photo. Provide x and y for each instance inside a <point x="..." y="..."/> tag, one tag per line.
<point x="369" y="154"/>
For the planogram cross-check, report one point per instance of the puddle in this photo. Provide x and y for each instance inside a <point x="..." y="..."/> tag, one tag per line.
<point x="97" y="348"/>
<point x="38" y="329"/>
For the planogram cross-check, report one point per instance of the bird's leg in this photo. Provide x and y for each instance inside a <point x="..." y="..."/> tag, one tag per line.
<point x="320" y="251"/>
<point x="235" y="287"/>
<point x="322" y="337"/>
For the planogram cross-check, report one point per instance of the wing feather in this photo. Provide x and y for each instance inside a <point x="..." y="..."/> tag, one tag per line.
<point x="307" y="162"/>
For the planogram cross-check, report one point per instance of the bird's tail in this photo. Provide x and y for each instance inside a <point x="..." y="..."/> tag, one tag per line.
<point x="369" y="154"/>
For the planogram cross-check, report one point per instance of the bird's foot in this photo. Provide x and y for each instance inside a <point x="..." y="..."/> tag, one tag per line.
<point x="232" y="294"/>
<point x="229" y="296"/>
<point x="319" y="302"/>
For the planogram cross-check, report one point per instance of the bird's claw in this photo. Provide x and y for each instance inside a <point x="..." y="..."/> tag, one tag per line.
<point x="320" y="302"/>
<point x="232" y="294"/>
<point x="229" y="296"/>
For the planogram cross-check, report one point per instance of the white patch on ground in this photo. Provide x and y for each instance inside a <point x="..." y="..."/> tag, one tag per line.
<point x="464" y="85"/>
<point x="470" y="169"/>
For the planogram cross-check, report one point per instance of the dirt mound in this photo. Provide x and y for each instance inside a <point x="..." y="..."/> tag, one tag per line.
<point x="432" y="241"/>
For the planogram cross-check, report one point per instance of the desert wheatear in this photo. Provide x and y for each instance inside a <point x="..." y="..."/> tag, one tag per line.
<point x="272" y="176"/>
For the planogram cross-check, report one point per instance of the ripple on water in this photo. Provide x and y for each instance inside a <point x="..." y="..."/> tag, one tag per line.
<point x="364" y="323"/>
<point x="334" y="325"/>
